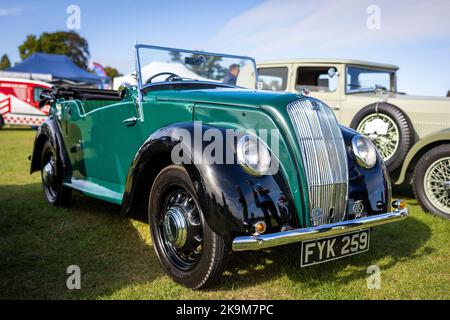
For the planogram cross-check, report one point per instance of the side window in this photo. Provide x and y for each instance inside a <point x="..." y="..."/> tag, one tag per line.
<point x="316" y="79"/>
<point x="37" y="93"/>
<point x="274" y="79"/>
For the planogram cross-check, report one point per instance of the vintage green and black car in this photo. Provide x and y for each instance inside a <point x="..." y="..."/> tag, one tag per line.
<point x="217" y="165"/>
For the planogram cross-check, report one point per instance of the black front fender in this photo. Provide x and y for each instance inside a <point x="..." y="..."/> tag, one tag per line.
<point x="231" y="199"/>
<point x="50" y="131"/>
<point x="370" y="187"/>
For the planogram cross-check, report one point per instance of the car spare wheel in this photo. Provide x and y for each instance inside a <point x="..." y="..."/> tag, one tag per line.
<point x="431" y="181"/>
<point x="186" y="247"/>
<point x="389" y="128"/>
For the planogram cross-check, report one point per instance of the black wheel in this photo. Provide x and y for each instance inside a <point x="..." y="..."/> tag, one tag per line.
<point x="2" y="122"/>
<point x="389" y="128"/>
<point x="54" y="191"/>
<point x="431" y="181"/>
<point x="187" y="249"/>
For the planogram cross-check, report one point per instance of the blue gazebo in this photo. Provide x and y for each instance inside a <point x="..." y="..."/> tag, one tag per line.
<point x="59" y="66"/>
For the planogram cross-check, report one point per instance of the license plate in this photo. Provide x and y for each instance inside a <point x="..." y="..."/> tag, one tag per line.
<point x="334" y="247"/>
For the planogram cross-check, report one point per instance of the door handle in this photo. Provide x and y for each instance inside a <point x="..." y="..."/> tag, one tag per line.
<point x="337" y="108"/>
<point x="130" y="122"/>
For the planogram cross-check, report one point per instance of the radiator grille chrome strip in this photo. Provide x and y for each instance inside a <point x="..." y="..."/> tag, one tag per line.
<point x="324" y="158"/>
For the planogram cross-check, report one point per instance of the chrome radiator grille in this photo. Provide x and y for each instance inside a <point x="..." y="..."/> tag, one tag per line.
<point x="324" y="158"/>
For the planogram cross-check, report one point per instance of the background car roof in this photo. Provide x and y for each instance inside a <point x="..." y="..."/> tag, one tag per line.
<point x="340" y="61"/>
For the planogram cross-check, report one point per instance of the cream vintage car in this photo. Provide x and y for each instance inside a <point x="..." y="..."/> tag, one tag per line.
<point x="412" y="133"/>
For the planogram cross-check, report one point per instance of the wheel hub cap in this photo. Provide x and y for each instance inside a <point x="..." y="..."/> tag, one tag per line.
<point x="48" y="173"/>
<point x="175" y="227"/>
<point x="383" y="132"/>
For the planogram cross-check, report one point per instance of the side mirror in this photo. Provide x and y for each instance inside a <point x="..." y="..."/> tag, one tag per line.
<point x="125" y="90"/>
<point x="332" y="72"/>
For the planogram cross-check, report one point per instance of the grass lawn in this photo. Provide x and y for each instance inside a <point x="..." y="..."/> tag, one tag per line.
<point x="38" y="242"/>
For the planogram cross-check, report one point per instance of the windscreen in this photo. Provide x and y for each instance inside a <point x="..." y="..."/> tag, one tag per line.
<point x="156" y="65"/>
<point x="361" y="79"/>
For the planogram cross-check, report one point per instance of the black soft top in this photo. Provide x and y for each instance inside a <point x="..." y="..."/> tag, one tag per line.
<point x="70" y="92"/>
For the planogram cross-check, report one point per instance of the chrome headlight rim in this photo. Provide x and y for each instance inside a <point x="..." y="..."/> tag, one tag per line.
<point x="369" y="161"/>
<point x="261" y="165"/>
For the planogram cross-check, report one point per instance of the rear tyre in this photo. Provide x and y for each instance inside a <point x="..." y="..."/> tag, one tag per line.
<point x="51" y="173"/>
<point x="2" y="122"/>
<point x="389" y="128"/>
<point x="431" y="181"/>
<point x="186" y="247"/>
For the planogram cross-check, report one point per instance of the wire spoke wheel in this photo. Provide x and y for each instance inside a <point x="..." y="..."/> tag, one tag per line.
<point x="437" y="184"/>
<point x="383" y="131"/>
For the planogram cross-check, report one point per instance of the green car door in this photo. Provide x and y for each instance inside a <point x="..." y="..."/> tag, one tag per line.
<point x="102" y="144"/>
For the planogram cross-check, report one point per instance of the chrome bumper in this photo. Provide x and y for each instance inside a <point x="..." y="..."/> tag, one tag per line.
<point x="281" y="238"/>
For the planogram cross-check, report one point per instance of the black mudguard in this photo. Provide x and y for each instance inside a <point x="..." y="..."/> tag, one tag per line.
<point x="50" y="130"/>
<point x="371" y="187"/>
<point x="231" y="199"/>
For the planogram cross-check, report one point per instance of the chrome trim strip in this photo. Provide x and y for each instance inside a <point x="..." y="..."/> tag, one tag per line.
<point x="281" y="238"/>
<point x="324" y="157"/>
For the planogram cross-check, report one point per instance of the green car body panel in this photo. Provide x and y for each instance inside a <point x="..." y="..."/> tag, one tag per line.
<point x="305" y="178"/>
<point x="106" y="147"/>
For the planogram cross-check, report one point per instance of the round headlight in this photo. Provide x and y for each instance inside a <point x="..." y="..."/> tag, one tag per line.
<point x="253" y="155"/>
<point x="364" y="151"/>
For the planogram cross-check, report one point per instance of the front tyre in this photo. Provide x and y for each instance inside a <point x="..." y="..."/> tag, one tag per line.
<point x="431" y="181"/>
<point x="54" y="191"/>
<point x="186" y="247"/>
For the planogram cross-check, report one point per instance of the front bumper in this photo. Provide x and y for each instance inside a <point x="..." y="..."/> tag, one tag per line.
<point x="258" y="242"/>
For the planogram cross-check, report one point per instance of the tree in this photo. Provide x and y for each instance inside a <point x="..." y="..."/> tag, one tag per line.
<point x="112" y="72"/>
<point x="69" y="43"/>
<point x="4" y="62"/>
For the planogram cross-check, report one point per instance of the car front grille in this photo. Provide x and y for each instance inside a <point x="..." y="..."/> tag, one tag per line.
<point x="324" y="158"/>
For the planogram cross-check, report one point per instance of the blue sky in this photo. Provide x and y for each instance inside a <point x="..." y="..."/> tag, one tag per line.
<point x="413" y="34"/>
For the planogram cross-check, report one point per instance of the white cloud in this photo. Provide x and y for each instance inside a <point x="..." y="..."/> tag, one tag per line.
<point x="289" y="28"/>
<point x="10" y="11"/>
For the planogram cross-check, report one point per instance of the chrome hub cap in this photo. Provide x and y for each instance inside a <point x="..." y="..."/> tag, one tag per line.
<point x="383" y="132"/>
<point x="437" y="184"/>
<point x="180" y="229"/>
<point x="175" y="227"/>
<point x="48" y="173"/>
<point x="49" y="176"/>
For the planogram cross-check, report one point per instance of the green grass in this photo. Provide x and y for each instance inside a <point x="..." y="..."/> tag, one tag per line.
<point x="38" y="242"/>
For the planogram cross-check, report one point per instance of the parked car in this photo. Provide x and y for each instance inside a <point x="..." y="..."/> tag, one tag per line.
<point x="411" y="132"/>
<point x="19" y="102"/>
<point x="325" y="187"/>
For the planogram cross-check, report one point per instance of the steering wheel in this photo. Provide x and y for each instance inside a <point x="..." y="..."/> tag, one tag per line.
<point x="172" y="76"/>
